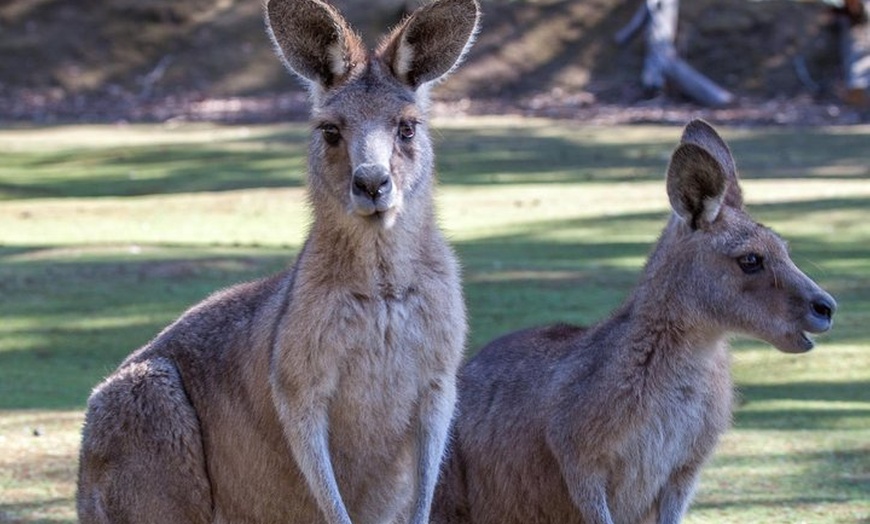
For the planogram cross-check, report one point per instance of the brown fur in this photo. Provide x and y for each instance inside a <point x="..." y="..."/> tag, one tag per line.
<point x="612" y="424"/>
<point x="324" y="393"/>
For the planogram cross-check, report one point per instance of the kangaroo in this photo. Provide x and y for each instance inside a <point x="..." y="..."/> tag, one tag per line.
<point x="322" y="394"/>
<point x="612" y="424"/>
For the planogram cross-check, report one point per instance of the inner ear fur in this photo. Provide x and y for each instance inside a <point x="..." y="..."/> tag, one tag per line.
<point x="696" y="185"/>
<point x="431" y="42"/>
<point x="314" y="40"/>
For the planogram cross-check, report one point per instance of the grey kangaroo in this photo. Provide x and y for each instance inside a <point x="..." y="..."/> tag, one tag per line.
<point x="322" y="394"/>
<point x="613" y="424"/>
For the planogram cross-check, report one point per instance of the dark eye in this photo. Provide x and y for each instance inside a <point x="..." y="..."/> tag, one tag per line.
<point x="751" y="263"/>
<point x="407" y="129"/>
<point x="331" y="134"/>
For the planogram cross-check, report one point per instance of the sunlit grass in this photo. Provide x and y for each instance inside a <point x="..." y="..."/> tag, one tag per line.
<point x="37" y="465"/>
<point x="254" y="217"/>
<point x="107" y="233"/>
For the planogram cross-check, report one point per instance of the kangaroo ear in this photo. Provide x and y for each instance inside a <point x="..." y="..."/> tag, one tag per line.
<point x="314" y="41"/>
<point x="701" y="133"/>
<point x="431" y="42"/>
<point x="696" y="185"/>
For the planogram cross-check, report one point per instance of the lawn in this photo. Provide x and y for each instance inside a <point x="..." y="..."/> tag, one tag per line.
<point x="107" y="233"/>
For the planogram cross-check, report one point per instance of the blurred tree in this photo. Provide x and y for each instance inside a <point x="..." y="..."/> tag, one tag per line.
<point x="852" y="21"/>
<point x="662" y="63"/>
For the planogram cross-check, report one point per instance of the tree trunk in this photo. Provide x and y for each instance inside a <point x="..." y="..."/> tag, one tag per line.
<point x="855" y="51"/>
<point x="694" y="84"/>
<point x="660" y="37"/>
<point x="662" y="62"/>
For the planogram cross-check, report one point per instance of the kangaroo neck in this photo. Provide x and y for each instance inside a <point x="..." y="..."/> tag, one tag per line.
<point x="365" y="257"/>
<point x="657" y="328"/>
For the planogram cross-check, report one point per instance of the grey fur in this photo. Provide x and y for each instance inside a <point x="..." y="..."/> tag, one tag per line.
<point x="324" y="393"/>
<point x="613" y="424"/>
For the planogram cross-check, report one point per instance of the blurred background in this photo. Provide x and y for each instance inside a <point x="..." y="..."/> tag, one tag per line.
<point x="777" y="61"/>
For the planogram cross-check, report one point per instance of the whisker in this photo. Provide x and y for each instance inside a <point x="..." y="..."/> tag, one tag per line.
<point x="806" y="261"/>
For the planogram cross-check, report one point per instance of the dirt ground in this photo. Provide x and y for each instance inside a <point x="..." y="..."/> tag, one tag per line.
<point x="158" y="60"/>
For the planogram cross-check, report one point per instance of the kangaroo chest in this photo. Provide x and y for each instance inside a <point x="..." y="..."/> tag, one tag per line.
<point x="371" y="352"/>
<point x="369" y="358"/>
<point x="676" y="432"/>
<point x="383" y="360"/>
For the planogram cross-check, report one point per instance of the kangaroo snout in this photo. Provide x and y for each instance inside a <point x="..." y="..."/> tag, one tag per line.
<point x="372" y="189"/>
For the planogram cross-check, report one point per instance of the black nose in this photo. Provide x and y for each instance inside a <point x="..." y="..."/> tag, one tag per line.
<point x="373" y="181"/>
<point x="823" y="307"/>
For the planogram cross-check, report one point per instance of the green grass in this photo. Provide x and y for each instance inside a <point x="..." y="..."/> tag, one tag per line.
<point x="107" y="233"/>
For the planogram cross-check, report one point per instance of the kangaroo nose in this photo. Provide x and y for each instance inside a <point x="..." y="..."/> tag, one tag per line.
<point x="823" y="307"/>
<point x="371" y="180"/>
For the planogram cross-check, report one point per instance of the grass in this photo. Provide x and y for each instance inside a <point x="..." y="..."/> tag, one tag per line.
<point x="107" y="233"/>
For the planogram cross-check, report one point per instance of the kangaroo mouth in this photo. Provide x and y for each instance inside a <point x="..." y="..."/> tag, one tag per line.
<point x="793" y="342"/>
<point x="812" y="326"/>
<point x="807" y="343"/>
<point x="380" y="209"/>
<point x="370" y="209"/>
<point x="799" y="339"/>
<point x="374" y="212"/>
<point x="377" y="216"/>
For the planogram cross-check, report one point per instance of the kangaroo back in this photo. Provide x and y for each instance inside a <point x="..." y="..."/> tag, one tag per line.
<point x="613" y="424"/>
<point x="322" y="394"/>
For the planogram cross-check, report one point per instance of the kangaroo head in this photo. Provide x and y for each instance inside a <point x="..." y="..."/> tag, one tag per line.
<point x="733" y="272"/>
<point x="370" y="148"/>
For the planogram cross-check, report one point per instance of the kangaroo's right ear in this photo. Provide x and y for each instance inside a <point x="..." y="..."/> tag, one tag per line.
<point x="314" y="41"/>
<point x="696" y="185"/>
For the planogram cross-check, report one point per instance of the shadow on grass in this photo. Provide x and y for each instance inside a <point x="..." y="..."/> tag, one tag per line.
<point x="795" y="418"/>
<point x="68" y="321"/>
<point x="745" y="503"/>
<point x="279" y="159"/>
<point x="465" y="157"/>
<point x="794" y="504"/>
<point x="798" y="416"/>
<point x="150" y="170"/>
<point x="858" y="391"/>
<point x="834" y="475"/>
<point x="68" y="324"/>
<point x="470" y="157"/>
<point x="521" y="155"/>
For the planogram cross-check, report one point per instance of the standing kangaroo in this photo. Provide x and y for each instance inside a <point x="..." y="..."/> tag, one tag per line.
<point x="613" y="424"/>
<point x="324" y="393"/>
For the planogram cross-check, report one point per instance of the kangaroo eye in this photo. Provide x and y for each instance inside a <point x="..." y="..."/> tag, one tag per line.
<point x="407" y="129"/>
<point x="331" y="134"/>
<point x="751" y="263"/>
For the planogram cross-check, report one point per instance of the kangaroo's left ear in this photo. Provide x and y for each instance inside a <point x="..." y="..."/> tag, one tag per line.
<point x="431" y="42"/>
<point x="696" y="185"/>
